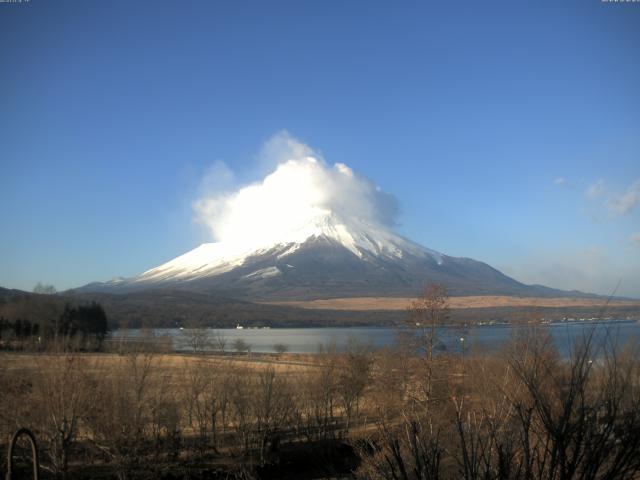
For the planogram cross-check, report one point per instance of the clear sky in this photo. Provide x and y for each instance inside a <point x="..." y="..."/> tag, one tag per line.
<point x="509" y="132"/>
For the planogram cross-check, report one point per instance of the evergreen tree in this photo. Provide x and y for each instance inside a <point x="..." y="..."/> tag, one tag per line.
<point x="17" y="328"/>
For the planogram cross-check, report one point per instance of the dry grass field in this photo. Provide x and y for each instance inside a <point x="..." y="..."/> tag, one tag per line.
<point x="402" y="303"/>
<point x="172" y="364"/>
<point x="148" y="414"/>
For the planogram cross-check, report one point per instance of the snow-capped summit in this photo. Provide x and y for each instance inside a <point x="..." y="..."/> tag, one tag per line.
<point x="360" y="238"/>
<point x="326" y="256"/>
<point x="309" y="229"/>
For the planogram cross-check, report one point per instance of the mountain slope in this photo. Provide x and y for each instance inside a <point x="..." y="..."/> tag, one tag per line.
<point x="324" y="257"/>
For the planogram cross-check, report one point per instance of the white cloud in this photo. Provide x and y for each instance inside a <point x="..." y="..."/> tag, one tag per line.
<point x="595" y="190"/>
<point x="627" y="202"/>
<point x="635" y="239"/>
<point x="560" y="181"/>
<point x="280" y="148"/>
<point x="218" y="177"/>
<point x="299" y="187"/>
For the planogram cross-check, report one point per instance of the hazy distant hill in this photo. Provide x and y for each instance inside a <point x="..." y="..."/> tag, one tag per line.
<point x="8" y="292"/>
<point x="173" y="308"/>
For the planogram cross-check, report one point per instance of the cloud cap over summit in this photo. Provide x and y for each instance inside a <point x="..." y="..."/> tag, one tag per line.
<point x="300" y="187"/>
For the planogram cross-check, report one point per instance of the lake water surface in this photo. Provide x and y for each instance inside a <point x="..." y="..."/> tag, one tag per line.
<point x="308" y="340"/>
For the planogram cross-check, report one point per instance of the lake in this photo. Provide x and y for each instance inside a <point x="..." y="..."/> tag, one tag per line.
<point x="307" y="340"/>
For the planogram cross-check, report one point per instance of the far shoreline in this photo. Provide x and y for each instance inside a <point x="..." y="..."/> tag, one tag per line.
<point x="554" y="323"/>
<point x="459" y="302"/>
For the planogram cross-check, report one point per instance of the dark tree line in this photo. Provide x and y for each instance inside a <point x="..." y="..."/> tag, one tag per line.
<point x="19" y="328"/>
<point x="76" y="322"/>
<point x="84" y="320"/>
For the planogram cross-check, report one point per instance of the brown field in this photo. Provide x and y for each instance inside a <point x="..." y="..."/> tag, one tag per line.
<point x="385" y="303"/>
<point x="142" y="414"/>
<point x="171" y="364"/>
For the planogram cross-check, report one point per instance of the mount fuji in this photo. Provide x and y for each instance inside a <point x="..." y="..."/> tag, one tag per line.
<point x="326" y="255"/>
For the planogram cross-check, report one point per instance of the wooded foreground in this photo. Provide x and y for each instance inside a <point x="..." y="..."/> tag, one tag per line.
<point x="403" y="413"/>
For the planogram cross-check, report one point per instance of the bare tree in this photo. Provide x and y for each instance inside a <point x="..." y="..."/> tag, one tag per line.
<point x="220" y="342"/>
<point x="121" y="411"/>
<point x="241" y="346"/>
<point x="165" y="418"/>
<point x="532" y="415"/>
<point x="217" y="398"/>
<point x="199" y="339"/>
<point x="240" y="391"/>
<point x="60" y="399"/>
<point x="353" y="377"/>
<point x="206" y="398"/>
<point x="426" y="315"/>
<point x="407" y="443"/>
<point x="272" y="406"/>
<point x="411" y="449"/>
<point x="581" y="418"/>
<point x="319" y="394"/>
<point x="194" y="385"/>
<point x="280" y="348"/>
<point x="44" y="289"/>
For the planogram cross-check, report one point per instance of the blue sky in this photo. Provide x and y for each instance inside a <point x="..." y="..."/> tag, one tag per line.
<point x="508" y="131"/>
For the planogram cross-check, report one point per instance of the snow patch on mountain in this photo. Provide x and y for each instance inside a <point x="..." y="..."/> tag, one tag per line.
<point x="264" y="273"/>
<point x="361" y="238"/>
